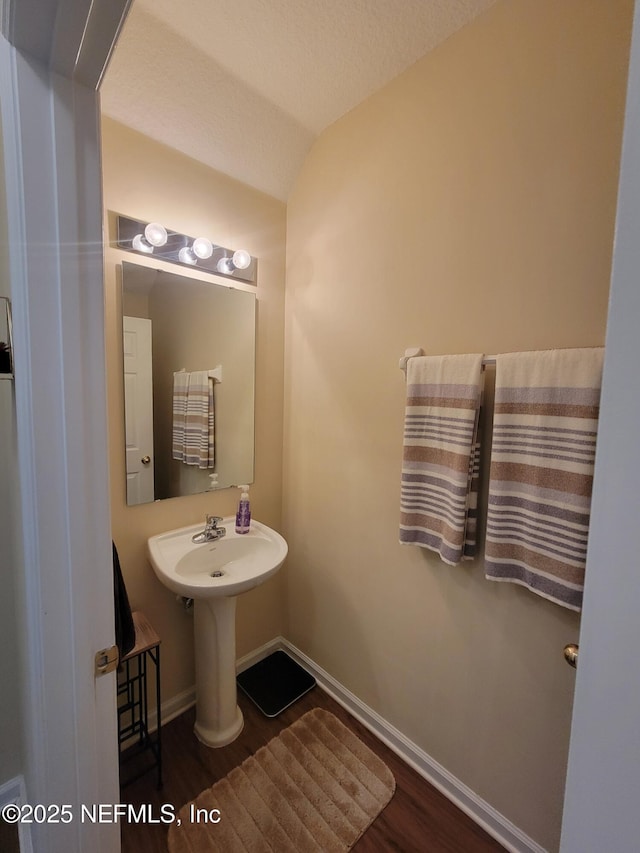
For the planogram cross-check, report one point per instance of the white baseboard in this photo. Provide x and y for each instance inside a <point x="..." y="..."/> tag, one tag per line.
<point x="173" y="707"/>
<point x="169" y="710"/>
<point x="258" y="654"/>
<point x="14" y="791"/>
<point x="498" y="826"/>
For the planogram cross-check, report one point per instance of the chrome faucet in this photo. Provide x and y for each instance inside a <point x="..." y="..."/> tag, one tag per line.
<point x="211" y="531"/>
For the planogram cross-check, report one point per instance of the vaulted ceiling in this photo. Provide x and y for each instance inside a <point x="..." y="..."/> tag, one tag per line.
<point x="246" y="86"/>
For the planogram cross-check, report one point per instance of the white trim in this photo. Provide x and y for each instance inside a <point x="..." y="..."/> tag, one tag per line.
<point x="170" y="709"/>
<point x="28" y="588"/>
<point x="29" y="640"/>
<point x="74" y="38"/>
<point x="603" y="773"/>
<point x="279" y="643"/>
<point x="64" y="585"/>
<point x="14" y="791"/>
<point x="64" y="590"/>
<point x="494" y="823"/>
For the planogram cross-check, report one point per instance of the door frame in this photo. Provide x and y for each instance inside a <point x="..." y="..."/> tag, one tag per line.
<point x="50" y="66"/>
<point x="603" y="778"/>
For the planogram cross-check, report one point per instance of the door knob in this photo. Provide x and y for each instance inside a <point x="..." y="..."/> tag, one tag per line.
<point x="145" y="460"/>
<point x="571" y="654"/>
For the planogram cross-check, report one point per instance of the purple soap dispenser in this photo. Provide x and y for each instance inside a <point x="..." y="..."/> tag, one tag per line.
<point x="243" y="515"/>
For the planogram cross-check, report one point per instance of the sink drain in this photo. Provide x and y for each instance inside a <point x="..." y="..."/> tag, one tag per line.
<point x="217" y="574"/>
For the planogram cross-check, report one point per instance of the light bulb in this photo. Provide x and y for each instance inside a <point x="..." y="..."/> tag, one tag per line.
<point x="202" y="248"/>
<point x="225" y="265"/>
<point x="140" y="244"/>
<point x="241" y="259"/>
<point x="156" y="234"/>
<point x="186" y="256"/>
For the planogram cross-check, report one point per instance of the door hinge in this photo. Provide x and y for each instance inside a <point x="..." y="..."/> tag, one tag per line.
<point x="106" y="660"/>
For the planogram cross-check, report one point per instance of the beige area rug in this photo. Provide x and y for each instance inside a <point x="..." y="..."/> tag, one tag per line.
<point x="314" y="787"/>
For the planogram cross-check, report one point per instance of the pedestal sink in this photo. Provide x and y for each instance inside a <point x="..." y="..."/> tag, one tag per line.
<point x="213" y="574"/>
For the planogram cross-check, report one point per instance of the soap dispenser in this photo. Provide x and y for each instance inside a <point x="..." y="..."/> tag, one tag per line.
<point x="243" y="515"/>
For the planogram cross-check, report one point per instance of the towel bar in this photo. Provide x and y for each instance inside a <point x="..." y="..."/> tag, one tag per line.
<point x="414" y="352"/>
<point x="215" y="374"/>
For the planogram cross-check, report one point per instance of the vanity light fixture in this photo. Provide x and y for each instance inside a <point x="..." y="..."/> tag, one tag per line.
<point x="155" y="235"/>
<point x="154" y="238"/>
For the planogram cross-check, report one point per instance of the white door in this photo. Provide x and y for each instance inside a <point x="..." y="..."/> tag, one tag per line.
<point x="138" y="407"/>
<point x="602" y="799"/>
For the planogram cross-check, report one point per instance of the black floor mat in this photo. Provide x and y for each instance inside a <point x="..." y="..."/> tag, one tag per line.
<point x="275" y="682"/>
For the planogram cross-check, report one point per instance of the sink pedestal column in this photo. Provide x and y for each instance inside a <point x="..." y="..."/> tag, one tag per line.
<point x="218" y="717"/>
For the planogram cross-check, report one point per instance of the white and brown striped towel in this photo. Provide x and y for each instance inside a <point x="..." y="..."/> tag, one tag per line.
<point x="544" y="440"/>
<point x="180" y="390"/>
<point x="193" y="418"/>
<point x="441" y="453"/>
<point x="199" y="421"/>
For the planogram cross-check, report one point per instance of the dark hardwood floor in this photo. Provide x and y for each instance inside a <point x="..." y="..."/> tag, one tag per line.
<point x="419" y="819"/>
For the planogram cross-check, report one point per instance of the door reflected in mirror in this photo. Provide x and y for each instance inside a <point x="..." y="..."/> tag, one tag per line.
<point x="189" y="384"/>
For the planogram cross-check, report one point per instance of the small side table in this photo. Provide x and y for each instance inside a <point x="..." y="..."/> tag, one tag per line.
<point x="133" y="705"/>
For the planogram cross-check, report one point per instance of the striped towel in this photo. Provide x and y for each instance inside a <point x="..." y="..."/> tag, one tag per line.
<point x="198" y="434"/>
<point x="440" y="464"/>
<point x="180" y="389"/>
<point x="544" y="440"/>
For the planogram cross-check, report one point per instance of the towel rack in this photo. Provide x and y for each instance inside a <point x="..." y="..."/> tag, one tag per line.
<point x="414" y="352"/>
<point x="215" y="374"/>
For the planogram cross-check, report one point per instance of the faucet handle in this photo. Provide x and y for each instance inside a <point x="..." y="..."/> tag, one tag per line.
<point x="213" y="520"/>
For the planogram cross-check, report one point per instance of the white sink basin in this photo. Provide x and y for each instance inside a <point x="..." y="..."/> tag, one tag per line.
<point x="214" y="574"/>
<point x="224" y="567"/>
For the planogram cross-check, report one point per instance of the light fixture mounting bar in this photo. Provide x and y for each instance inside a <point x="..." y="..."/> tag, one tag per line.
<point x="129" y="228"/>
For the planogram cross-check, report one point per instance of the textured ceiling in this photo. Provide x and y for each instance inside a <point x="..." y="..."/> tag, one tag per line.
<point x="245" y="86"/>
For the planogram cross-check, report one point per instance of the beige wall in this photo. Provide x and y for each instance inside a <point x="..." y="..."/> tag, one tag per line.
<point x="151" y="182"/>
<point x="468" y="206"/>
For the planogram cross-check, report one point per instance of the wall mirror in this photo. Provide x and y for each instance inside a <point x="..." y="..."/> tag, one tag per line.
<point x="189" y="384"/>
